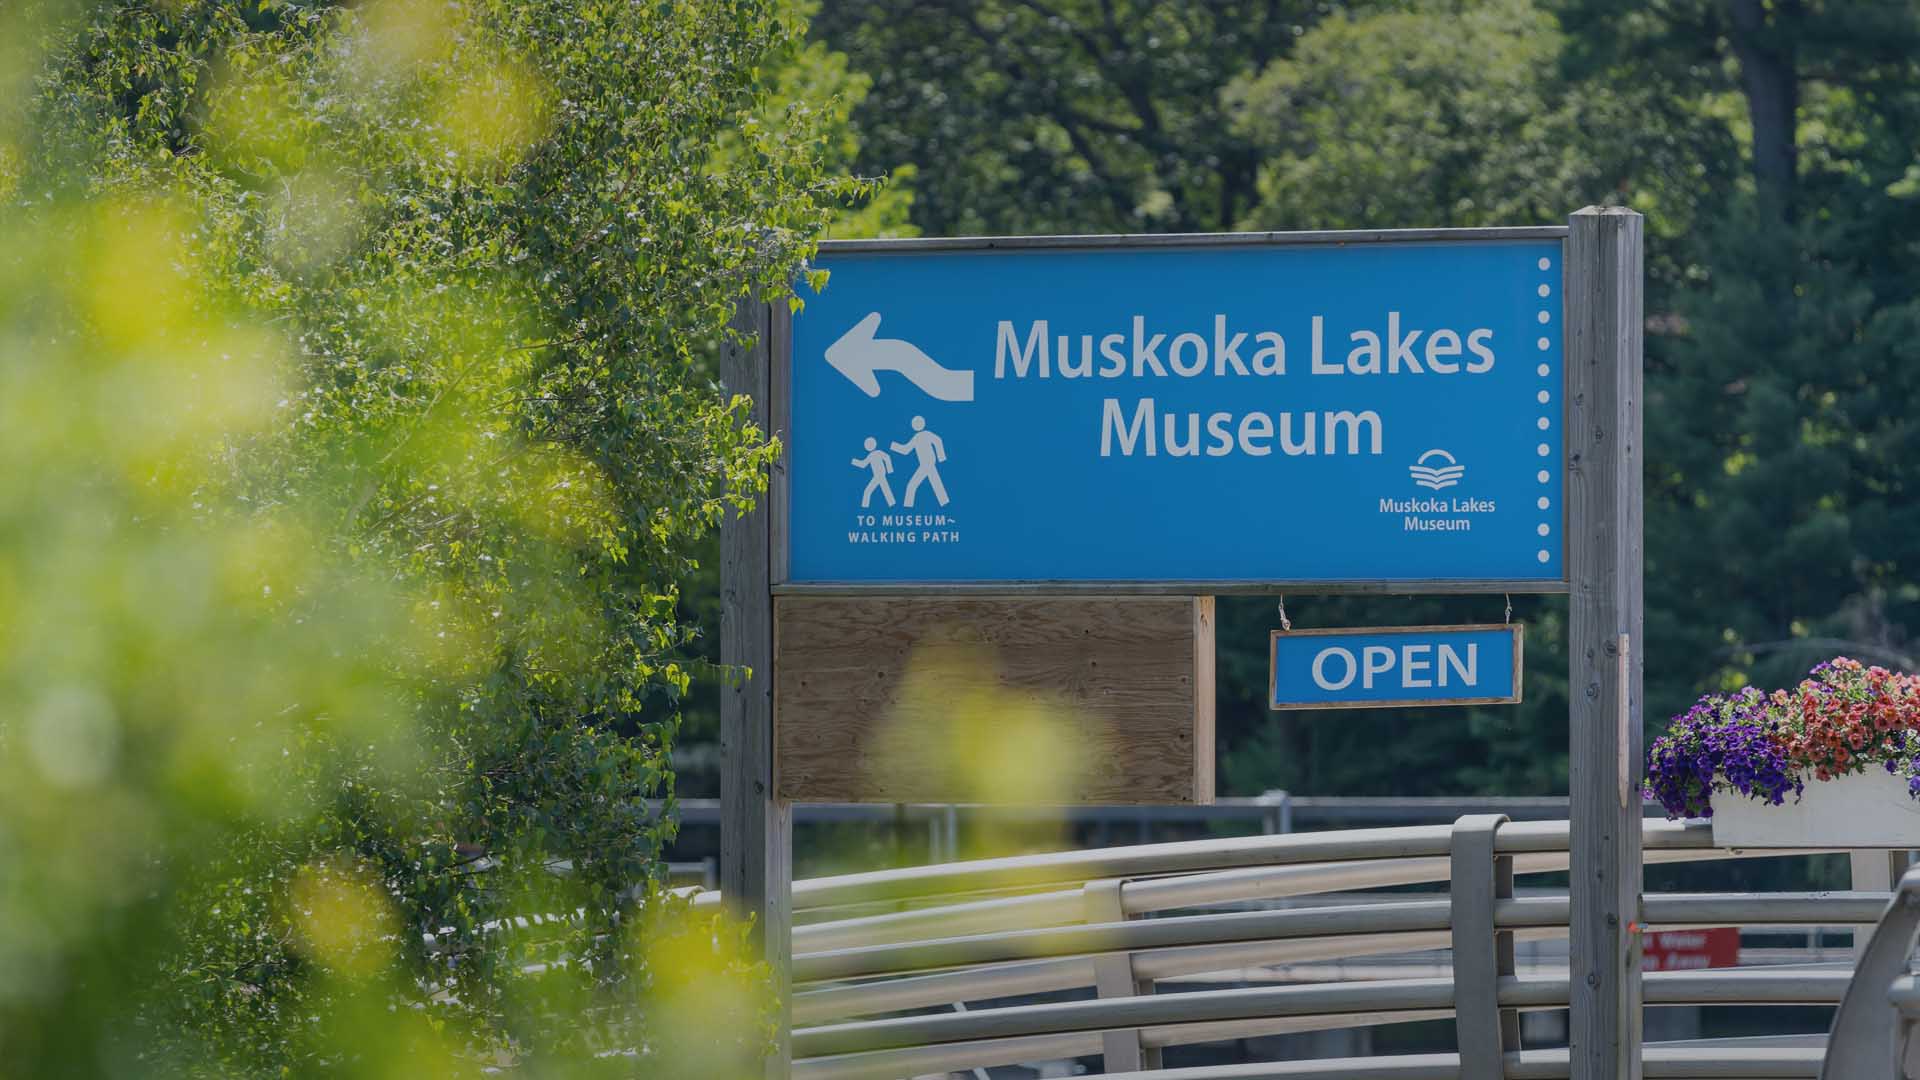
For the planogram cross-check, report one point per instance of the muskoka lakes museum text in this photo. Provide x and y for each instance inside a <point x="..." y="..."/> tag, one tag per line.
<point x="1137" y="353"/>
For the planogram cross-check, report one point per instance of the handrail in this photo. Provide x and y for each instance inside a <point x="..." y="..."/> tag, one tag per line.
<point x="1192" y="856"/>
<point x="1046" y="976"/>
<point x="995" y="930"/>
<point x="1862" y="1039"/>
<point x="1659" y="1063"/>
<point x="1206" y="1006"/>
<point x="921" y="1060"/>
<point x="1124" y="936"/>
<point x="1679" y="1060"/>
<point x="1723" y="987"/>
<point x="1664" y="911"/>
<point x="1400" y="917"/>
<point x="1171" y="893"/>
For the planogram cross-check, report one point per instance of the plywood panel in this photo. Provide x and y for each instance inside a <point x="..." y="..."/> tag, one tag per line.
<point x="1004" y="699"/>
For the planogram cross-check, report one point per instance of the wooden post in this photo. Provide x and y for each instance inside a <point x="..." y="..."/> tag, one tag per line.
<point x="1604" y="561"/>
<point x="756" y="826"/>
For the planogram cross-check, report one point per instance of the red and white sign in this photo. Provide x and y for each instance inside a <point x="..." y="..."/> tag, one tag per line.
<point x="1690" y="950"/>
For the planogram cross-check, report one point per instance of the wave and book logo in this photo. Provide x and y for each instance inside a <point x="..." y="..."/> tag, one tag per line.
<point x="1436" y="469"/>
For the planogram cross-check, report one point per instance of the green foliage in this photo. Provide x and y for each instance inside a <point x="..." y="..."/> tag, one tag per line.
<point x="1448" y="118"/>
<point x="1780" y="524"/>
<point x="814" y="85"/>
<point x="1025" y="116"/>
<point x="363" y="430"/>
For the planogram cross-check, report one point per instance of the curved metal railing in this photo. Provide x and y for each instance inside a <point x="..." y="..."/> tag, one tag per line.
<point x="1874" y="1034"/>
<point x="874" y="952"/>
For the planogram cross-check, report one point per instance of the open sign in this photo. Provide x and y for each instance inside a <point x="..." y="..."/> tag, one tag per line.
<point x="1398" y="666"/>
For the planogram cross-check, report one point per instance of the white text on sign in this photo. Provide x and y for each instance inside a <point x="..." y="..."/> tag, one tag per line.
<point x="1418" y="666"/>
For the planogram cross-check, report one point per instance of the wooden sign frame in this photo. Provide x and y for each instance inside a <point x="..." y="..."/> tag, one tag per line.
<point x="1602" y="571"/>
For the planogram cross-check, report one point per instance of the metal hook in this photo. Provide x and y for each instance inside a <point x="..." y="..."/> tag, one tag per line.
<point x="1285" y="623"/>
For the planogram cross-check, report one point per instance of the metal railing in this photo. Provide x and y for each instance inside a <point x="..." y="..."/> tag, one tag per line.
<point x="1877" y="1030"/>
<point x="1273" y="812"/>
<point x="876" y="953"/>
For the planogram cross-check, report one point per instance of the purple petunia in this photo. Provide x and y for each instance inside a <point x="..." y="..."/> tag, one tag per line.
<point x="1726" y="742"/>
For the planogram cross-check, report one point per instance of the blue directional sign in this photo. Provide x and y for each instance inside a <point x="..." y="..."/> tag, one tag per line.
<point x="1228" y="413"/>
<point x="1414" y="665"/>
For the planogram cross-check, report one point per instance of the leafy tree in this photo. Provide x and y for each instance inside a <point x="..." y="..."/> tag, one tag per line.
<point x="1780" y="527"/>
<point x="817" y="83"/>
<point x="1024" y="116"/>
<point x="1433" y="116"/>
<point x="364" y="433"/>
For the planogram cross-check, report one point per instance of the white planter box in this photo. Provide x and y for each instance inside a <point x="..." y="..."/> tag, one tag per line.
<point x="1866" y="810"/>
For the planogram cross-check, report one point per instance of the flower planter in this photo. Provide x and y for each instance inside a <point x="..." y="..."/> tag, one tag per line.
<point x="1861" y="810"/>
<point x="1832" y="763"/>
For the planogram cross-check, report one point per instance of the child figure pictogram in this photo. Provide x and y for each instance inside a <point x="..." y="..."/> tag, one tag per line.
<point x="880" y="463"/>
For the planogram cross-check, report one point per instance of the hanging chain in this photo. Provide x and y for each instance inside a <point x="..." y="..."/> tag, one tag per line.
<point x="1285" y="623"/>
<point x="1509" y="609"/>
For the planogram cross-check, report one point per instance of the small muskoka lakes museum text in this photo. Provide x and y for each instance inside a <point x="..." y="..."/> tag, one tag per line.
<point x="1142" y="351"/>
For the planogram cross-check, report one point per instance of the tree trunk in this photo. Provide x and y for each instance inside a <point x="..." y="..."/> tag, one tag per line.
<point x="1765" y="49"/>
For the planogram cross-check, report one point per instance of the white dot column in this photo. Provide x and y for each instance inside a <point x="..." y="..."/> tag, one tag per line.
<point x="1545" y="398"/>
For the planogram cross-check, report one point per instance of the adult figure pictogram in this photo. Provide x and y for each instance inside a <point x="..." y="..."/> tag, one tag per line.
<point x="930" y="451"/>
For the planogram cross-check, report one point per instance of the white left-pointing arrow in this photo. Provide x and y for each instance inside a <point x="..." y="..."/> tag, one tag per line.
<point x="858" y="355"/>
